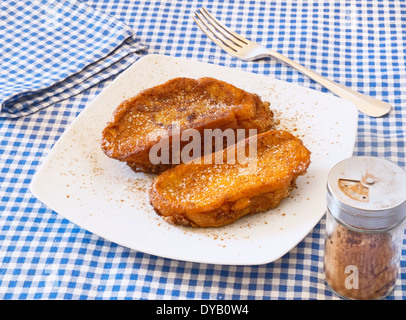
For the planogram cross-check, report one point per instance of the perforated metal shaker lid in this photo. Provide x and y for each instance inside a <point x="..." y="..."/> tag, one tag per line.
<point x="367" y="193"/>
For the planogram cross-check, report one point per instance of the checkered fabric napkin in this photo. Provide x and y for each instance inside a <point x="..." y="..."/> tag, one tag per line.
<point x="53" y="49"/>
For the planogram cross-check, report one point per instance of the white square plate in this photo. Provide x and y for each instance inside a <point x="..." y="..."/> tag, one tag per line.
<point x="105" y="197"/>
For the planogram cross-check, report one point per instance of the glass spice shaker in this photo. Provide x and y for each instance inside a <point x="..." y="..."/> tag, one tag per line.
<point x="366" y="209"/>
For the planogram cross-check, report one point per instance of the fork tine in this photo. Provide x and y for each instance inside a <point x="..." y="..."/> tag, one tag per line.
<point x="225" y="29"/>
<point x="219" y="29"/>
<point x="213" y="35"/>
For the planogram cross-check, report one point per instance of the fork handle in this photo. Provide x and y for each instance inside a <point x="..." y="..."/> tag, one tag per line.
<point x="366" y="104"/>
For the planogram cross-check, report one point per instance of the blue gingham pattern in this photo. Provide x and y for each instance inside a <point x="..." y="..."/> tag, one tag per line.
<point x="359" y="43"/>
<point x="54" y="49"/>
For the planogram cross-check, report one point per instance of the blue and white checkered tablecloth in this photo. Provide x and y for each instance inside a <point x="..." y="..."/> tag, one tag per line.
<point x="359" y="43"/>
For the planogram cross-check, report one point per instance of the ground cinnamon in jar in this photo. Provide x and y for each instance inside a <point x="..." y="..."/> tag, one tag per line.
<point x="366" y="200"/>
<point x="360" y="265"/>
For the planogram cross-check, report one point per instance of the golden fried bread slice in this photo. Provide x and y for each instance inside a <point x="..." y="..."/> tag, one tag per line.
<point x="213" y="195"/>
<point x="139" y="122"/>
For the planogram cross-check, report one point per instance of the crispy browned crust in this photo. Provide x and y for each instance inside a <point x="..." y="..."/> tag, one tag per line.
<point x="206" y="103"/>
<point x="213" y="195"/>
